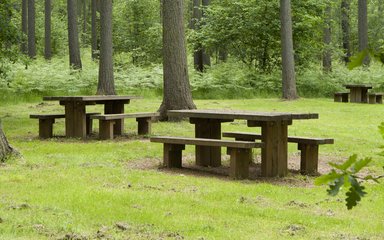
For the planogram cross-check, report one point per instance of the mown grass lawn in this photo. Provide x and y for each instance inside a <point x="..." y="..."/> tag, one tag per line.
<point x="73" y="189"/>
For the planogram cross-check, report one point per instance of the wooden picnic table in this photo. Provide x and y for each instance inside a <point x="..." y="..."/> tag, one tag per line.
<point x="75" y="111"/>
<point x="274" y="130"/>
<point x="358" y="92"/>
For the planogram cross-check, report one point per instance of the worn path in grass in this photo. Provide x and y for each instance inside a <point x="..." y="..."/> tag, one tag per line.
<point x="73" y="189"/>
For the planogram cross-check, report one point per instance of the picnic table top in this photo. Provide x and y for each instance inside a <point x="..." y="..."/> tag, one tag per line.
<point x="239" y="114"/>
<point x="90" y="98"/>
<point x="358" y="85"/>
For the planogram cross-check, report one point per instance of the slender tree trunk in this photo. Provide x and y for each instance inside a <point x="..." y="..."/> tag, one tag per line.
<point x="201" y="58"/>
<point x="345" y="9"/>
<point x="363" y="28"/>
<point x="5" y="149"/>
<point x="106" y="84"/>
<point x="288" y="63"/>
<point x="31" y="29"/>
<point x="48" y="48"/>
<point x="177" y="91"/>
<point x="73" y="36"/>
<point x="327" y="56"/>
<point x="94" y="29"/>
<point x="24" y="25"/>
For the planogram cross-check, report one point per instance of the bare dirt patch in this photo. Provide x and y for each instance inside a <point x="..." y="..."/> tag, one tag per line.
<point x="189" y="168"/>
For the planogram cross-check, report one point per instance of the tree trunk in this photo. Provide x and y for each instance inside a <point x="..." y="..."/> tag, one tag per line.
<point x="363" y="28"/>
<point x="177" y="90"/>
<point x="24" y="25"/>
<point x="94" y="29"/>
<point x="48" y="48"/>
<point x="5" y="149"/>
<point x="73" y="36"/>
<point x="200" y="56"/>
<point x="31" y="29"/>
<point x="327" y="56"/>
<point x="288" y="63"/>
<point x="345" y="9"/>
<point x="106" y="84"/>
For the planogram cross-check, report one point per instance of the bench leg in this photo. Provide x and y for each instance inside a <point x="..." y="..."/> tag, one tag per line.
<point x="144" y="126"/>
<point x="172" y="155"/>
<point x="89" y="125"/>
<point x="379" y="99"/>
<point x="106" y="129"/>
<point x="239" y="162"/>
<point x="309" y="158"/>
<point x="46" y="128"/>
<point x="337" y="98"/>
<point x="344" y="97"/>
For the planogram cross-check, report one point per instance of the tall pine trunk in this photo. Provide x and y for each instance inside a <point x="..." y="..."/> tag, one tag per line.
<point x="48" y="47"/>
<point x="327" y="55"/>
<point x="73" y="36"/>
<point x="24" y="26"/>
<point x="288" y="63"/>
<point x="31" y="29"/>
<point x="94" y="29"/>
<point x="345" y="29"/>
<point x="363" y="28"/>
<point x="177" y="90"/>
<point x="106" y="84"/>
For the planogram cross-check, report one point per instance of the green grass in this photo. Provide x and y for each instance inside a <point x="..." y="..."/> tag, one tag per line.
<point x="63" y="188"/>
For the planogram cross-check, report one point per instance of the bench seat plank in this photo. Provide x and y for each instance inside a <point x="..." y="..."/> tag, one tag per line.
<point x="240" y="152"/>
<point x="206" y="142"/>
<point x="125" y="115"/>
<point x="309" y="148"/>
<point x="106" y="122"/>
<point x="46" y="122"/>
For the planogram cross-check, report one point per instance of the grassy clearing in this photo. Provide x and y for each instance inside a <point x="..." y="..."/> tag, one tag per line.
<point x="73" y="189"/>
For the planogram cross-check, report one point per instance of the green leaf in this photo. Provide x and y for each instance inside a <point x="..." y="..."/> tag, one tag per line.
<point x="343" y="167"/>
<point x="357" y="60"/>
<point x="356" y="185"/>
<point x="352" y="198"/>
<point x="360" y="164"/>
<point x="335" y="187"/>
<point x="325" y="179"/>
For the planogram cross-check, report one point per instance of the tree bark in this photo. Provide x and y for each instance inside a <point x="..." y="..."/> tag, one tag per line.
<point x="48" y="47"/>
<point x="200" y="57"/>
<point x="345" y="28"/>
<point x="106" y="84"/>
<point x="31" y="29"/>
<point x="73" y="36"/>
<point x="24" y="25"/>
<point x="327" y="55"/>
<point x="177" y="90"/>
<point x="363" y="28"/>
<point x="5" y="149"/>
<point x="288" y="63"/>
<point x="94" y="30"/>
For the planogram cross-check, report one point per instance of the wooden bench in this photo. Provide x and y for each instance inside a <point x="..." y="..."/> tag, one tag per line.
<point x="46" y="122"/>
<point x="341" y="96"/>
<point x="374" y="98"/>
<point x="309" y="148"/>
<point x="240" y="152"/>
<point x="106" y="122"/>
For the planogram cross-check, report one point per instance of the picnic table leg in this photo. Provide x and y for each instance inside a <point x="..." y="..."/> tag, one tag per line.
<point x="355" y="94"/>
<point x="75" y="119"/>
<point x="207" y="128"/>
<point x="364" y="95"/>
<point x="274" y="154"/>
<point x="114" y="108"/>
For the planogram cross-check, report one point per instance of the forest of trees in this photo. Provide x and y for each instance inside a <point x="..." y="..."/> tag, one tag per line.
<point x="267" y="36"/>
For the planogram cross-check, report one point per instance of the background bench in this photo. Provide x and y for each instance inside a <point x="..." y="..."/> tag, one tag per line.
<point x="341" y="96"/>
<point x="309" y="148"/>
<point x="375" y="98"/>
<point x="240" y="152"/>
<point x="46" y="122"/>
<point x="106" y="122"/>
